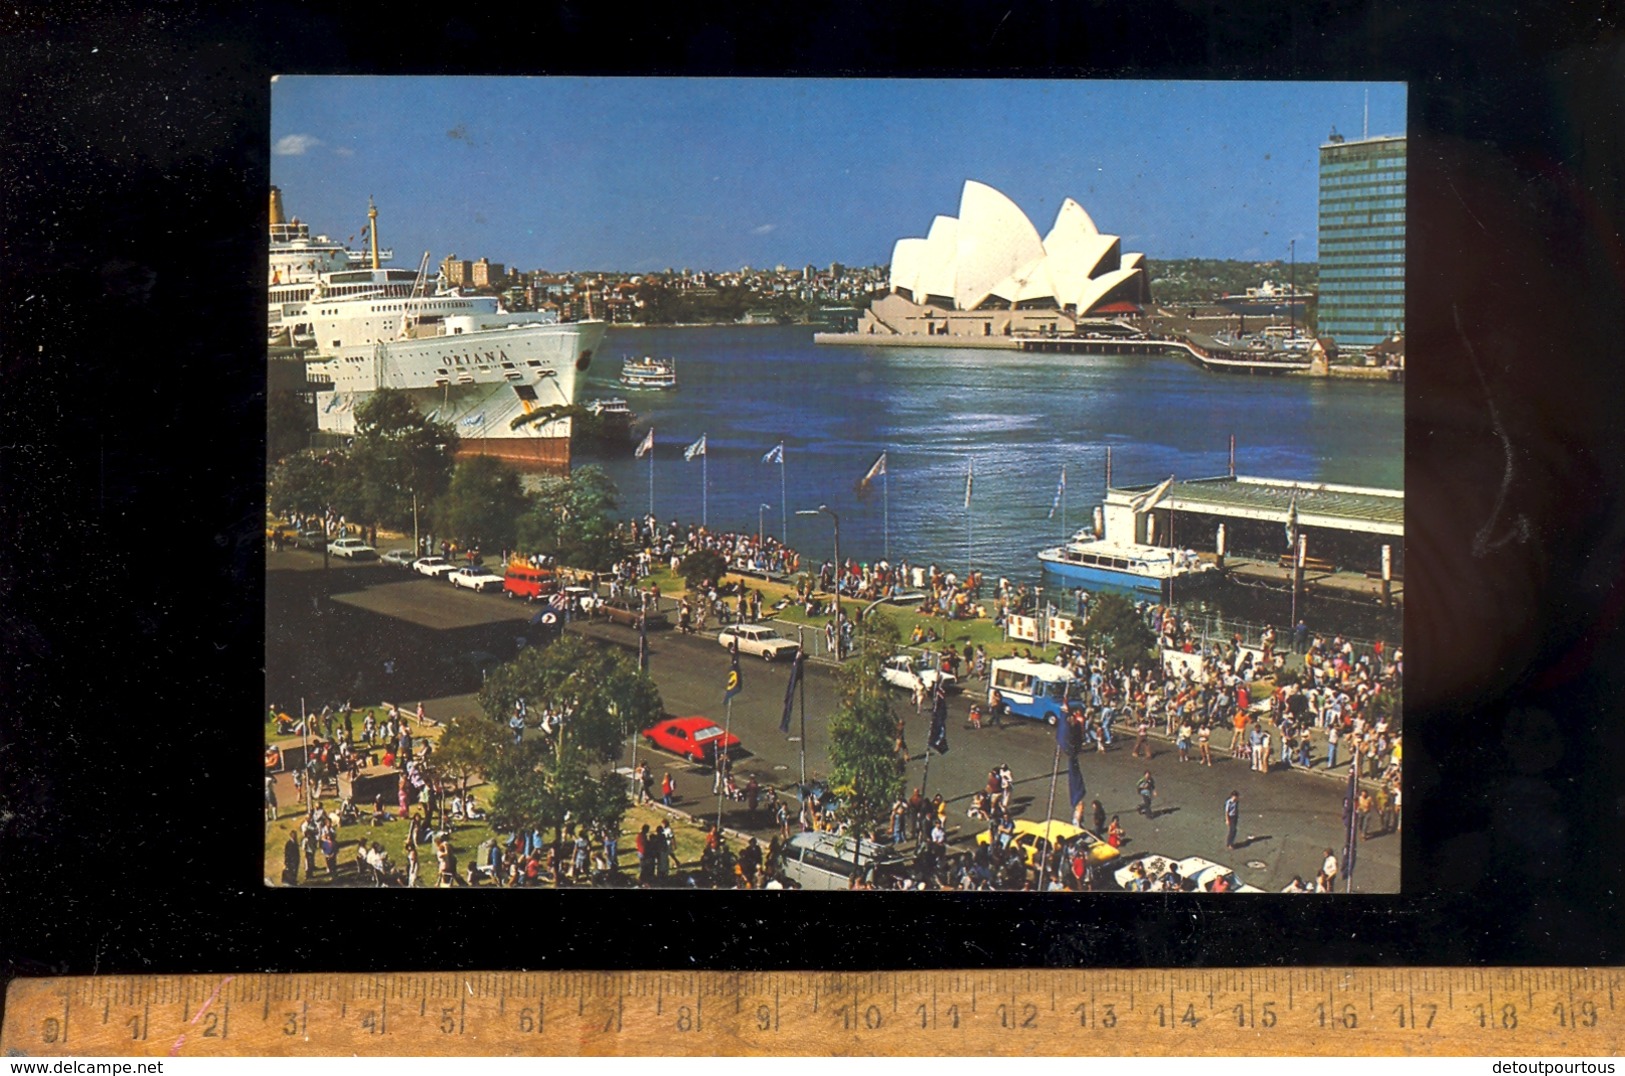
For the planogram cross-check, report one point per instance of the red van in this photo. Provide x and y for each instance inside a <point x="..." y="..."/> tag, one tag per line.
<point x="524" y="581"/>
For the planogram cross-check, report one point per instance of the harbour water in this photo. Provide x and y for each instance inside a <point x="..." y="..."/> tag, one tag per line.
<point x="1013" y="418"/>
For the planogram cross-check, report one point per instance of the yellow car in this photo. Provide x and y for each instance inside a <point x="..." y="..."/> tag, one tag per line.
<point x="1030" y="838"/>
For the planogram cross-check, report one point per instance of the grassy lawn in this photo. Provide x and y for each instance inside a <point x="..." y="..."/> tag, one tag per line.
<point x="980" y="632"/>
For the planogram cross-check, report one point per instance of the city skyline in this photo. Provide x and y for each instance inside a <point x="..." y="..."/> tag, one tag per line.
<point x="641" y="175"/>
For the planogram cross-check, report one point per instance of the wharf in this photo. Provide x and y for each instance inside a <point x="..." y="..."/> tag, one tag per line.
<point x="1343" y="585"/>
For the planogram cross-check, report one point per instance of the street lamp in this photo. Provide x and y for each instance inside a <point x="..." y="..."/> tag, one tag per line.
<point x="825" y="509"/>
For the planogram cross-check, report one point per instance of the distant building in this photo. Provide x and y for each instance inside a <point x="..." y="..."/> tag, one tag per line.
<point x="1362" y="240"/>
<point x="485" y="273"/>
<point x="988" y="273"/>
<point x="457" y="272"/>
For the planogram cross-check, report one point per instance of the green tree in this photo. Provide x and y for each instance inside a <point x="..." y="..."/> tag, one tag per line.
<point x="290" y="419"/>
<point x="572" y="518"/>
<point x="863" y="732"/>
<point x="308" y="482"/>
<point x="483" y="503"/>
<point x="472" y="745"/>
<point x="1115" y="627"/>
<point x="397" y="453"/>
<point x="603" y="697"/>
<point x="703" y="566"/>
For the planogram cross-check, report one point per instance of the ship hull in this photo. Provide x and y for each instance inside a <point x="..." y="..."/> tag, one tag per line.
<point x="479" y="383"/>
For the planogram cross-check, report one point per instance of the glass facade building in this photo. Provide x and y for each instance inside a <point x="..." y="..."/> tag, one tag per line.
<point x="1362" y="240"/>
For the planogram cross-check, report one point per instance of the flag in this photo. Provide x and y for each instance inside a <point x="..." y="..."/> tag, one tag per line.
<point x="775" y="454"/>
<point x="1074" y="782"/>
<point x="695" y="449"/>
<point x="646" y="445"/>
<point x="970" y="469"/>
<point x="1292" y="520"/>
<point x="790" y="691"/>
<point x="938" y="740"/>
<point x="875" y="472"/>
<point x="1060" y="489"/>
<point x="1149" y="500"/>
<point x="735" y="682"/>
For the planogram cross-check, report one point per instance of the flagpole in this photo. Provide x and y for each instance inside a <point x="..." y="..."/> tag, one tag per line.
<point x="885" y="513"/>
<point x="705" y="485"/>
<point x="970" y="548"/>
<point x="651" y="471"/>
<point x="722" y="788"/>
<point x="784" y="500"/>
<point x="1063" y="503"/>
<point x="800" y="656"/>
<point x="1049" y="814"/>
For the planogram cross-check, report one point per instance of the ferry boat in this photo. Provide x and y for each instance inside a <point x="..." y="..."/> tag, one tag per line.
<point x="1268" y="298"/>
<point x="461" y="359"/>
<point x="1095" y="558"/>
<point x="649" y="373"/>
<point x="607" y="420"/>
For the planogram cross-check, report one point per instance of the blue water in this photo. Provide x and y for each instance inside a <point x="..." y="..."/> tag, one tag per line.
<point x="1016" y="417"/>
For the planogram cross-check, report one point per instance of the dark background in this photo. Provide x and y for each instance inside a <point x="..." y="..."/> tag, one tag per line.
<point x="132" y="197"/>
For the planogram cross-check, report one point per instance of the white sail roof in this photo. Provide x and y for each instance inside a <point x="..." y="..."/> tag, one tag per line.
<point x="992" y="249"/>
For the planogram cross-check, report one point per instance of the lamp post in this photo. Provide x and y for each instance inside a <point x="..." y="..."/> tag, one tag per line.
<point x="825" y="509"/>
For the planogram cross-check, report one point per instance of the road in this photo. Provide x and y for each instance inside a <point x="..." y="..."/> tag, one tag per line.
<point x="375" y="613"/>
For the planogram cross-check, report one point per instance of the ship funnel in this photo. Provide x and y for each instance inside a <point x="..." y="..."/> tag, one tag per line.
<point x="277" y="216"/>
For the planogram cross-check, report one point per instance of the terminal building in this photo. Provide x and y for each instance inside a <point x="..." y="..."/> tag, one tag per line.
<point x="987" y="273"/>
<point x="1345" y="528"/>
<point x="1362" y="240"/>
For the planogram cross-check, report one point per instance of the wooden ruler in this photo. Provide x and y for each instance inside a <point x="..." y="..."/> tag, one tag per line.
<point x="1224" y="1012"/>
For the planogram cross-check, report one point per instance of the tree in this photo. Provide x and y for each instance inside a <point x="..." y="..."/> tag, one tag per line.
<point x="703" y="566"/>
<point x="308" y="482"/>
<point x="572" y="518"/>
<point x="1114" y="626"/>
<point x="397" y="453"/>
<point x="290" y="419"/>
<point x="564" y="773"/>
<point x="863" y="732"/>
<point x="471" y="745"/>
<point x="483" y="503"/>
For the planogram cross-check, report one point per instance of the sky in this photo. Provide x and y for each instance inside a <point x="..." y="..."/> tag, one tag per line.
<point x="645" y="174"/>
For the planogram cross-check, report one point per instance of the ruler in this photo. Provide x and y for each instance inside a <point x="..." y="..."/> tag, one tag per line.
<point x="1213" y="1012"/>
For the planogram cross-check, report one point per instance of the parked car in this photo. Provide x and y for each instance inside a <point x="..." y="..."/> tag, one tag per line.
<point x="309" y="538"/>
<point x="353" y="549"/>
<point x="433" y="567"/>
<point x="528" y="582"/>
<point x="476" y="578"/>
<point x="1031" y="836"/>
<point x="627" y="611"/>
<point x="1196" y="874"/>
<point x="909" y="672"/>
<point x="824" y="860"/>
<point x="399" y="558"/>
<point x="697" y="738"/>
<point x="758" y="639"/>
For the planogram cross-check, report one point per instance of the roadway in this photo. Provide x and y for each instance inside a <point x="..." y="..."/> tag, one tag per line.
<point x="326" y="649"/>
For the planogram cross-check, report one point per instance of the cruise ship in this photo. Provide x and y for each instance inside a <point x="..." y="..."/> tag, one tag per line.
<point x="462" y="359"/>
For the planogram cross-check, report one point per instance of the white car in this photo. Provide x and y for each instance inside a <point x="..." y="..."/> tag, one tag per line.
<point x="758" y="639"/>
<point x="1196" y="872"/>
<point x="352" y="549"/>
<point x="433" y="567"/>
<point x="911" y="673"/>
<point x="399" y="558"/>
<point x="476" y="578"/>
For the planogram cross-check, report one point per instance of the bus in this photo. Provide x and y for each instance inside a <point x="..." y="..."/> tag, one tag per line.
<point x="1035" y="689"/>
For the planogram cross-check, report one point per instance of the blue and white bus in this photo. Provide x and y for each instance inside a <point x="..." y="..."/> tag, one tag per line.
<point x="1035" y="689"/>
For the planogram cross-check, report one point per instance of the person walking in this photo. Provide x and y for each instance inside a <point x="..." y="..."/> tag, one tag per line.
<point x="1331" y="745"/>
<point x="1232" y="815"/>
<point x="667" y="789"/>
<point x="1099" y="817"/>
<point x="1203" y="735"/>
<point x="1142" y="737"/>
<point x="1148" y="791"/>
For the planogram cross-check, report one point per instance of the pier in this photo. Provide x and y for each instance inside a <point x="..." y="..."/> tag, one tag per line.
<point x="1209" y="357"/>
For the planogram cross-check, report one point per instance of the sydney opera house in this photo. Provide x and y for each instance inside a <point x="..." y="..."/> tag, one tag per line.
<point x="986" y="273"/>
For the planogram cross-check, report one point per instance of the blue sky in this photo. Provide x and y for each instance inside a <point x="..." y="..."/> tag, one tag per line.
<point x="641" y="174"/>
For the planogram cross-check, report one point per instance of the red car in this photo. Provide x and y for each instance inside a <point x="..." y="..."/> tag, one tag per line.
<point x="692" y="737"/>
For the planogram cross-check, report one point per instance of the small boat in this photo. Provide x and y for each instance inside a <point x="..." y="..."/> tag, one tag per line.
<point x="607" y="420"/>
<point x="1094" y="558"/>
<point x="649" y="373"/>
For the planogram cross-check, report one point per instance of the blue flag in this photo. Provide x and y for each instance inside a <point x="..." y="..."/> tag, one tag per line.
<point x="735" y="682"/>
<point x="790" y="691"/>
<point x="938" y="739"/>
<point x="1074" y="781"/>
